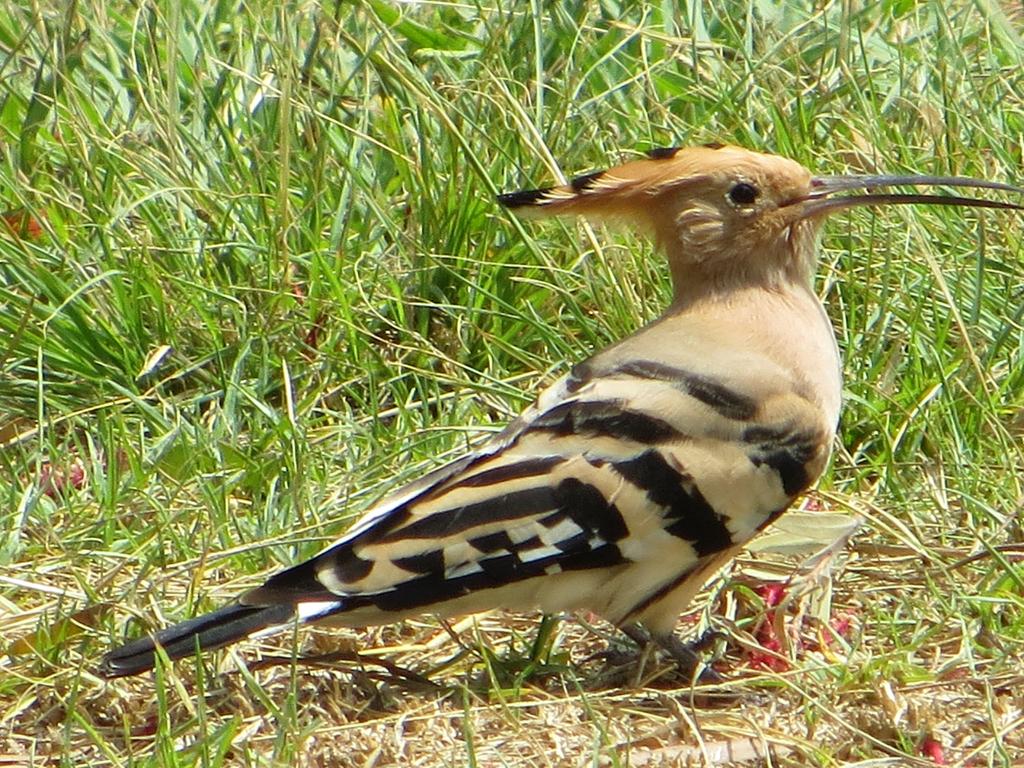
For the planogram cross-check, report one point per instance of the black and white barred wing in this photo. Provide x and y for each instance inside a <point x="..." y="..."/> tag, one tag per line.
<point x="606" y="494"/>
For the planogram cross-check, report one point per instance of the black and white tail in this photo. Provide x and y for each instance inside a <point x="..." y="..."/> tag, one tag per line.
<point x="213" y="630"/>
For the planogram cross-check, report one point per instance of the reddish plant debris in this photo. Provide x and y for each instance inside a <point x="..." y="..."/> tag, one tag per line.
<point x="54" y="480"/>
<point x="932" y="749"/>
<point x="772" y="594"/>
<point x="840" y="627"/>
<point x="147" y="729"/>
<point x="769" y="658"/>
<point x="313" y="335"/>
<point x="812" y="504"/>
<point x="21" y="223"/>
<point x="769" y="655"/>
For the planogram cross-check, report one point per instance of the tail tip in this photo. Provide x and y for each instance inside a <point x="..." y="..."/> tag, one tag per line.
<point x="131" y="659"/>
<point x="207" y="632"/>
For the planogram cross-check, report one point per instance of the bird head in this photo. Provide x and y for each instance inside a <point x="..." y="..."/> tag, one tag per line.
<point x="727" y="216"/>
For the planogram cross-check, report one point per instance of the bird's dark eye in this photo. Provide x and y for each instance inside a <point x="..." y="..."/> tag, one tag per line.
<point x="743" y="193"/>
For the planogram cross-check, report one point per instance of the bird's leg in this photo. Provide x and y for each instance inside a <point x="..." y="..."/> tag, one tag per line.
<point x="685" y="655"/>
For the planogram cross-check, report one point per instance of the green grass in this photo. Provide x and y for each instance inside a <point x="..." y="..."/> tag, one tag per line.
<point x="271" y="284"/>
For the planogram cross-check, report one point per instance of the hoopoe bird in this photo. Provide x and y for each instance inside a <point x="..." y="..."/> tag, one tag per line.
<point x="637" y="475"/>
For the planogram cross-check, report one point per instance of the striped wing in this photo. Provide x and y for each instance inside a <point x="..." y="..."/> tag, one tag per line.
<point x="632" y="474"/>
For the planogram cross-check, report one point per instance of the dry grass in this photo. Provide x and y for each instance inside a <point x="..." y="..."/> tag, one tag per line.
<point x="827" y="696"/>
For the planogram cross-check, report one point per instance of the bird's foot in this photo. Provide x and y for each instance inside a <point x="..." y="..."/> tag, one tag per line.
<point x="687" y="656"/>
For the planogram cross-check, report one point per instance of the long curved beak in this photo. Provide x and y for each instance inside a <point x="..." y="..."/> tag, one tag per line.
<point x="820" y="201"/>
